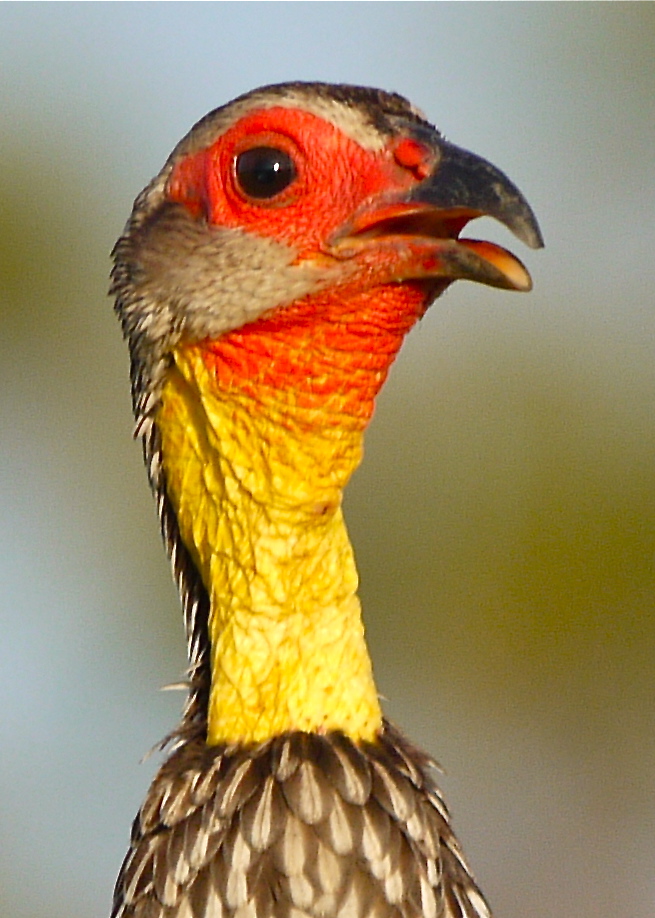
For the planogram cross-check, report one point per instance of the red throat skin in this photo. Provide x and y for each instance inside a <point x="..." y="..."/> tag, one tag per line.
<point x="325" y="357"/>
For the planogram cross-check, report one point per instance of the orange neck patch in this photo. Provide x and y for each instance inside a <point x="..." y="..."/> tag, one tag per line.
<point x="326" y="358"/>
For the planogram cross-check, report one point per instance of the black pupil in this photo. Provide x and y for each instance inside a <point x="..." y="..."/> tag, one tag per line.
<point x="264" y="172"/>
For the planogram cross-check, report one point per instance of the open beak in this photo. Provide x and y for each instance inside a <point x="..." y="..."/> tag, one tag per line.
<point x="425" y="222"/>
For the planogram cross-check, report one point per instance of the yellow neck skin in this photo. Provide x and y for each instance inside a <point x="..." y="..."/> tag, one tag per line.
<point x="257" y="491"/>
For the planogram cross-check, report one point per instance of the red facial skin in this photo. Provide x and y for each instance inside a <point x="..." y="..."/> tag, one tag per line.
<point x="336" y="176"/>
<point x="331" y="349"/>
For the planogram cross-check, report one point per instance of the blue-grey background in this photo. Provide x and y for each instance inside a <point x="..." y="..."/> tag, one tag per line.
<point x="504" y="518"/>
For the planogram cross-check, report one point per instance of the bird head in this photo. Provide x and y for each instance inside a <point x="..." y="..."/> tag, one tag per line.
<point x="306" y="206"/>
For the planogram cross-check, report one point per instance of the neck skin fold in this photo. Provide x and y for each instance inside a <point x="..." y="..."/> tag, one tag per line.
<point x="261" y="430"/>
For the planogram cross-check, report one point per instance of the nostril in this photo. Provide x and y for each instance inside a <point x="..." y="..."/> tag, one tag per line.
<point x="414" y="156"/>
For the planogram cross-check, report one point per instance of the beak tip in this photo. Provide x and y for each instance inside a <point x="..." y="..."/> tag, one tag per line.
<point x="526" y="228"/>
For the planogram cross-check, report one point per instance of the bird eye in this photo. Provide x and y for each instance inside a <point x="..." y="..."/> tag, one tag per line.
<point x="264" y="172"/>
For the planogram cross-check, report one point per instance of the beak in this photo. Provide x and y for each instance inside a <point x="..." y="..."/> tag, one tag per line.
<point x="456" y="187"/>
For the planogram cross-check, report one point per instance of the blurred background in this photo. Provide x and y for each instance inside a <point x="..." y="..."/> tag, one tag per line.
<point x="504" y="518"/>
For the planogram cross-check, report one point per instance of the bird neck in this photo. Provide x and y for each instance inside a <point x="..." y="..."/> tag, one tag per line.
<point x="261" y="430"/>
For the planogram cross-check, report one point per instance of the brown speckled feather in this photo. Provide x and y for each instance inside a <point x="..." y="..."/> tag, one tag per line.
<point x="303" y="825"/>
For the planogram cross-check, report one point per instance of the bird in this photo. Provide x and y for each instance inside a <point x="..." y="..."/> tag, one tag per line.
<point x="265" y="281"/>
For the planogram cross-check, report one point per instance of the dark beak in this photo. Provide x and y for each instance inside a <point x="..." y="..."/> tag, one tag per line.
<point x="425" y="222"/>
<point x="465" y="183"/>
